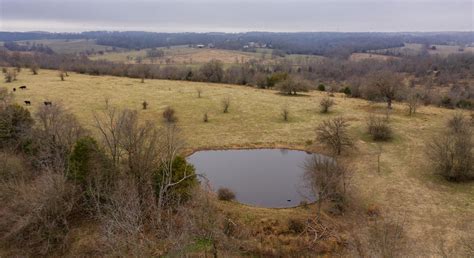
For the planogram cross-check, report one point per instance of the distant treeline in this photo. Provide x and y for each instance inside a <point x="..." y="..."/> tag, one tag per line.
<point x="334" y="44"/>
<point x="13" y="46"/>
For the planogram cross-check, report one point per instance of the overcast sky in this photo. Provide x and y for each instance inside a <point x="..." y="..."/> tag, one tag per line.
<point x="236" y="16"/>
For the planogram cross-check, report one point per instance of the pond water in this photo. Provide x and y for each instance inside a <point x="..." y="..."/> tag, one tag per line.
<point x="259" y="177"/>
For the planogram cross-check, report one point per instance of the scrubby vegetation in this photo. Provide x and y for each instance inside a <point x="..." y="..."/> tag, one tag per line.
<point x="451" y="152"/>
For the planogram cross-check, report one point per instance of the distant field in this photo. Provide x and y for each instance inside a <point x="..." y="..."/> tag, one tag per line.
<point x="184" y="55"/>
<point x="69" y="46"/>
<point x="365" y="56"/>
<point x="180" y="55"/>
<point x="411" y="49"/>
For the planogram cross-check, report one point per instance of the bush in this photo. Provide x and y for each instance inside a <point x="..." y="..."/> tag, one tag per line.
<point x="346" y="90"/>
<point x="465" y="103"/>
<point x="225" y="194"/>
<point x="451" y="151"/>
<point x="446" y="102"/>
<point x="205" y="118"/>
<point x="325" y="104"/>
<point x="378" y="127"/>
<point x="321" y="87"/>
<point x="169" y="115"/>
<point x="292" y="86"/>
<point x="225" y="104"/>
<point x="296" y="226"/>
<point x="285" y="113"/>
<point x="37" y="218"/>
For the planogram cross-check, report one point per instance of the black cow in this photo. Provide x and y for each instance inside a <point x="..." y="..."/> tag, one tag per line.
<point x="47" y="103"/>
<point x="27" y="102"/>
<point x="23" y="87"/>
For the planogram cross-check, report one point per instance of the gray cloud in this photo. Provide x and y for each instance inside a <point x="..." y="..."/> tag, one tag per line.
<point x="233" y="15"/>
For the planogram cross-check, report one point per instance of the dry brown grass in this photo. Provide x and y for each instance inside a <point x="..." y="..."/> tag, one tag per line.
<point x="405" y="185"/>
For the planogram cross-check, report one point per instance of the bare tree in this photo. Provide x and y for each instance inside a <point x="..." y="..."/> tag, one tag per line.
<point x="325" y="104"/>
<point x="327" y="179"/>
<point x="56" y="133"/>
<point x="387" y="84"/>
<point x="61" y="75"/>
<point x="413" y="102"/>
<point x="108" y="122"/>
<point x="225" y="104"/>
<point x="285" y="112"/>
<point x="199" y="92"/>
<point x="292" y="86"/>
<point x="333" y="133"/>
<point x="34" y="68"/>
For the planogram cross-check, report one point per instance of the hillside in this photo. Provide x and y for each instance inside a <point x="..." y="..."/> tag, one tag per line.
<point x="435" y="211"/>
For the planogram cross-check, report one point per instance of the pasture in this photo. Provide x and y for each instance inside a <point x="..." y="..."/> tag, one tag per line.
<point x="404" y="188"/>
<point x="62" y="46"/>
<point x="184" y="55"/>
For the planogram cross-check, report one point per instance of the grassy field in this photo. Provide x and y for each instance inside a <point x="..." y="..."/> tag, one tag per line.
<point x="411" y="49"/>
<point x="405" y="187"/>
<point x="365" y="56"/>
<point x="62" y="46"/>
<point x="184" y="55"/>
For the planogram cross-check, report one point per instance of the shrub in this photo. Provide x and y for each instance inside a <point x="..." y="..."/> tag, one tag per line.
<point x="325" y="104"/>
<point x="451" y="151"/>
<point x="346" y="90"/>
<point x="321" y="87"/>
<point x="465" y="103"/>
<point x="169" y="115"/>
<point x="144" y="105"/>
<point x="275" y="78"/>
<point x="292" y="86"/>
<point x="446" y="102"/>
<point x="296" y="226"/>
<point x="225" y="194"/>
<point x="285" y="113"/>
<point x="379" y="128"/>
<point x="387" y="238"/>
<point x="205" y="117"/>
<point x="225" y="104"/>
<point x="10" y="76"/>
<point x="38" y="215"/>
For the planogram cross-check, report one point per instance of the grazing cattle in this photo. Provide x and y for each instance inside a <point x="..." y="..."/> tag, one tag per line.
<point x="23" y="87"/>
<point x="27" y="102"/>
<point x="48" y="103"/>
<point x="14" y="89"/>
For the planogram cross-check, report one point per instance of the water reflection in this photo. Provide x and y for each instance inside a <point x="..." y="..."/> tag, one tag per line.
<point x="259" y="177"/>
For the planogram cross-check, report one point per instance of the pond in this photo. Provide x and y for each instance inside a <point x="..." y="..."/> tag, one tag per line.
<point x="259" y="177"/>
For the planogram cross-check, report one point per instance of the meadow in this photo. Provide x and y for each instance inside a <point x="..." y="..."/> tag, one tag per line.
<point x="434" y="210"/>
<point x="62" y="46"/>
<point x="184" y="55"/>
